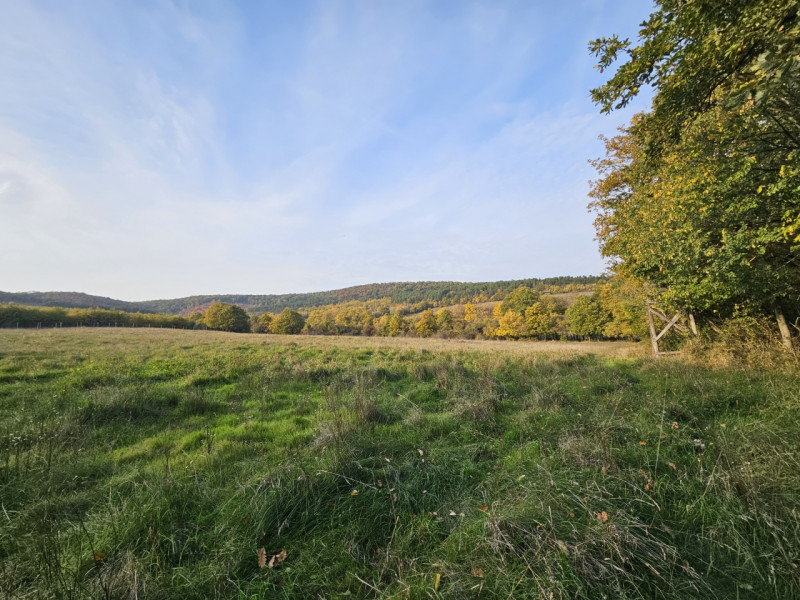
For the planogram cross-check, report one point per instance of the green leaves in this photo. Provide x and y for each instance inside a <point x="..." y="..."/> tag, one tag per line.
<point x="700" y="195"/>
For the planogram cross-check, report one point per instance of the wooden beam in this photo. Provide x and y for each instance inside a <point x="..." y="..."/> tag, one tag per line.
<point x="692" y="323"/>
<point x="669" y="326"/>
<point x="667" y="320"/>
<point x="653" y="337"/>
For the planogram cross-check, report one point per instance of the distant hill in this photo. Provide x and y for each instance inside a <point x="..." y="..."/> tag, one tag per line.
<point x="70" y="300"/>
<point x="443" y="292"/>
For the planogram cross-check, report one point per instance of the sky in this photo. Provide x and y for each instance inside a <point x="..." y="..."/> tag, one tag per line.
<point x="158" y="149"/>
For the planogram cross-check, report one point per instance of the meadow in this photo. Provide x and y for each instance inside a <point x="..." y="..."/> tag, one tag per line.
<point x="197" y="464"/>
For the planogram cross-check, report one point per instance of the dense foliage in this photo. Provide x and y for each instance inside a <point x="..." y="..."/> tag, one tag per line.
<point x="701" y="195"/>
<point x="227" y="317"/>
<point x="14" y="315"/>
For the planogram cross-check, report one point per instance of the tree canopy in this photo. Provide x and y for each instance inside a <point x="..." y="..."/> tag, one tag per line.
<point x="288" y="322"/>
<point x="227" y="317"/>
<point x="699" y="195"/>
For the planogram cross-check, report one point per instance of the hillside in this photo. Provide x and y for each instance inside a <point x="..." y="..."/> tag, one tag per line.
<point x="69" y="300"/>
<point x="444" y="292"/>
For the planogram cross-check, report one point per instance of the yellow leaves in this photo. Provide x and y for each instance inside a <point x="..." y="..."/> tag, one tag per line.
<point x="354" y="493"/>
<point x="99" y="556"/>
<point x="602" y="517"/>
<point x="477" y="572"/>
<point x="642" y="443"/>
<point x="484" y="507"/>
<point x="674" y="425"/>
<point x="437" y="579"/>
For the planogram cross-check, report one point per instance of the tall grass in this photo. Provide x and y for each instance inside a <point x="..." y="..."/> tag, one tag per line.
<point x="159" y="464"/>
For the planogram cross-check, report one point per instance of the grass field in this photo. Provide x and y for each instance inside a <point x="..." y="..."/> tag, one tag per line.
<point x="193" y="464"/>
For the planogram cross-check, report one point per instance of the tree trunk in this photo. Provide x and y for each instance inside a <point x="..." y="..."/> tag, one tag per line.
<point x="786" y="335"/>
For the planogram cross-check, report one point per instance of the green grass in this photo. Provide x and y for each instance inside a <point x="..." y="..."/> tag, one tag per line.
<point x="156" y="464"/>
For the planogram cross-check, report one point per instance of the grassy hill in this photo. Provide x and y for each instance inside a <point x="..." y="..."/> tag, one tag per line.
<point x="195" y="464"/>
<point x="445" y="292"/>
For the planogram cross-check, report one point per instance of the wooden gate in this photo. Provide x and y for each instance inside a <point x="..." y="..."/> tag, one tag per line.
<point x="669" y="324"/>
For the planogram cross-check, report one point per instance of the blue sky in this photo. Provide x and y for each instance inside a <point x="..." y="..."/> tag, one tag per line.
<point x="154" y="149"/>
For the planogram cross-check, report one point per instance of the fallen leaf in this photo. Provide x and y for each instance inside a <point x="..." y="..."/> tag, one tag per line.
<point x="476" y="572"/>
<point x="436" y="581"/>
<point x="99" y="556"/>
<point x="562" y="546"/>
<point x="380" y="483"/>
<point x="603" y="470"/>
<point x="673" y="465"/>
<point x="354" y="493"/>
<point x="420" y="452"/>
<point x="642" y="443"/>
<point x="602" y="517"/>
<point x="452" y="513"/>
<point x="484" y="507"/>
<point x="262" y="558"/>
<point x="277" y="558"/>
<point x="674" y="425"/>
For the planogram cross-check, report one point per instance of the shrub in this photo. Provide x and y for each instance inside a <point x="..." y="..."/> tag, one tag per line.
<point x="227" y="317"/>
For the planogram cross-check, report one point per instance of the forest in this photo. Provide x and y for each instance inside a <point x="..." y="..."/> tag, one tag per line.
<point x="439" y="292"/>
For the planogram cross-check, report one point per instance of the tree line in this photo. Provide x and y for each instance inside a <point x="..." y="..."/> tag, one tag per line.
<point x="614" y="310"/>
<point x="16" y="315"/>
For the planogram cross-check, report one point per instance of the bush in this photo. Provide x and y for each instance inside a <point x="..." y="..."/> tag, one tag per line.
<point x="288" y="322"/>
<point x="227" y="317"/>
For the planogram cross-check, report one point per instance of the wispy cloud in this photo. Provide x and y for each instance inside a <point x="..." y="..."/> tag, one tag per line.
<point x="161" y="149"/>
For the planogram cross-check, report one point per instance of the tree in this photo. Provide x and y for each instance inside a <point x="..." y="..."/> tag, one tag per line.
<point x="625" y="300"/>
<point x="263" y="323"/>
<point x="289" y="322"/>
<point x="519" y="300"/>
<point x="470" y="312"/>
<point x="444" y="320"/>
<point x="352" y="319"/>
<point x="699" y="195"/>
<point x="511" y="325"/>
<point x="543" y="318"/>
<point x="705" y="54"/>
<point x="426" y="325"/>
<point x="587" y="317"/>
<point x="398" y="325"/>
<point x="227" y="317"/>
